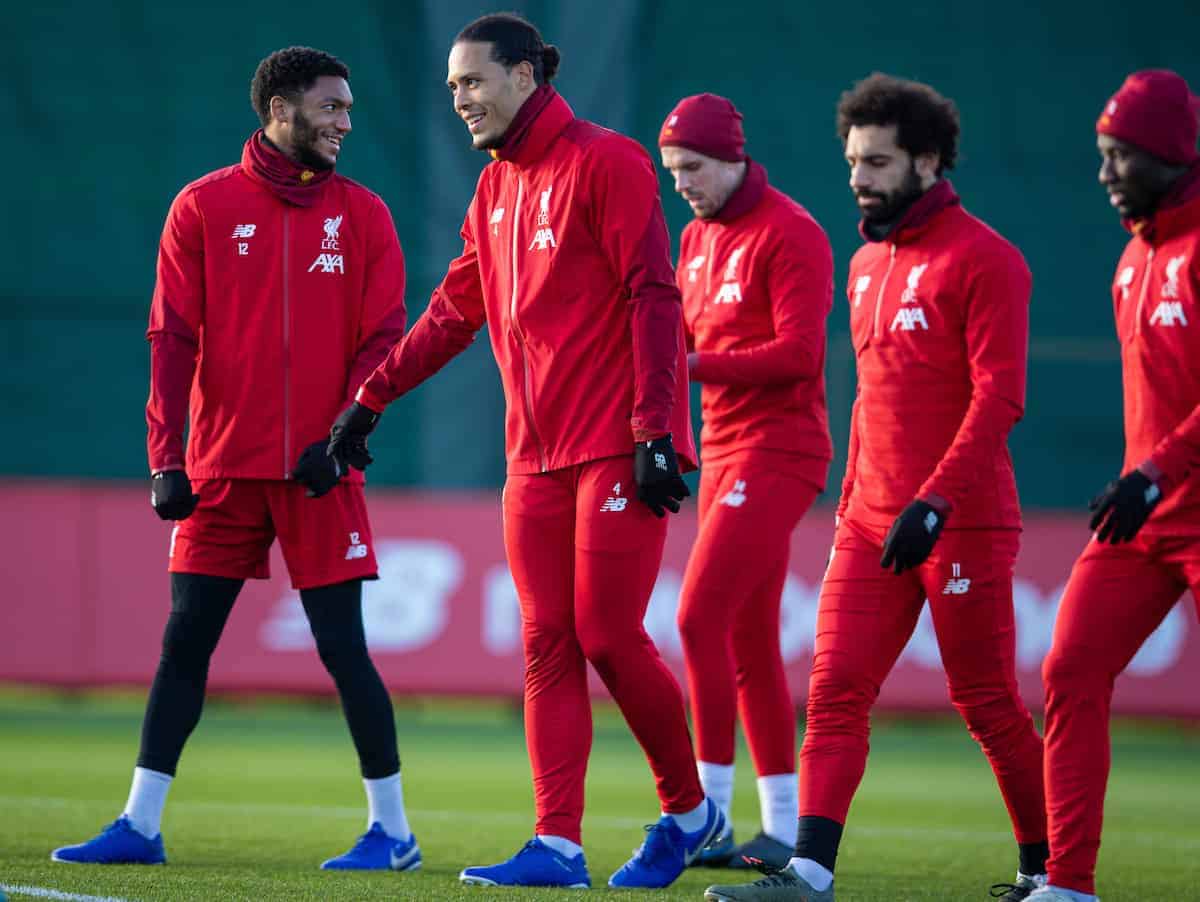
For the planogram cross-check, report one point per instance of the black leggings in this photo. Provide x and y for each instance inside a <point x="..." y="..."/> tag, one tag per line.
<point x="200" y="605"/>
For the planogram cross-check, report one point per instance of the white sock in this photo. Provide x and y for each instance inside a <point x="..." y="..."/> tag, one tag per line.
<point x="717" y="781"/>
<point x="561" y="845"/>
<point x="147" y="797"/>
<point x="385" y="806"/>
<point x="1073" y="894"/>
<point x="694" y="820"/>
<point x="779" y="802"/>
<point x="818" y="876"/>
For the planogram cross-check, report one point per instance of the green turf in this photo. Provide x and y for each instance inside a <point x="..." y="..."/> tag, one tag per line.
<point x="268" y="789"/>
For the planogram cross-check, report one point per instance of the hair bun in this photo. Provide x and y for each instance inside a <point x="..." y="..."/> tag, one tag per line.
<point x="550" y="60"/>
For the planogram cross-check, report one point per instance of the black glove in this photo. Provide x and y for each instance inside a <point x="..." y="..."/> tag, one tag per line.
<point x="1123" y="507"/>
<point x="318" y="470"/>
<point x="656" y="472"/>
<point x="171" y="495"/>
<point x="912" y="536"/>
<point x="348" y="436"/>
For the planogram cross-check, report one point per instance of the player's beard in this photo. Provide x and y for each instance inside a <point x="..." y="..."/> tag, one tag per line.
<point x="304" y="139"/>
<point x="897" y="201"/>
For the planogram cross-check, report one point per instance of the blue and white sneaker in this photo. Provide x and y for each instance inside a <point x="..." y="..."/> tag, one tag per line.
<point x="717" y="854"/>
<point x="659" y="860"/>
<point x="376" y="851"/>
<point x="118" y="843"/>
<point x="536" y="864"/>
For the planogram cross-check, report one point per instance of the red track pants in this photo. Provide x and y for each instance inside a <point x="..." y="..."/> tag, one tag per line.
<point x="1116" y="597"/>
<point x="584" y="555"/>
<point x="729" y="613"/>
<point x="864" y="619"/>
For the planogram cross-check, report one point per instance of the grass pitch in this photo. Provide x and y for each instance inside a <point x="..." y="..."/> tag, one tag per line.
<point x="268" y="789"/>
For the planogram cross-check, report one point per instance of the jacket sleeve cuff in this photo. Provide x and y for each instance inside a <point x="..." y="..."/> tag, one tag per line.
<point x="367" y="399"/>
<point x="937" y="502"/>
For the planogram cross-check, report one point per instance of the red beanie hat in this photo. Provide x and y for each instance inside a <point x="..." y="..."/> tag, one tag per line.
<point x="1154" y="110"/>
<point x="707" y="124"/>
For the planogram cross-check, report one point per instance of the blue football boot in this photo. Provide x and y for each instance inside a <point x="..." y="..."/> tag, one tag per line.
<point x="376" y="851"/>
<point x="536" y="864"/>
<point x="118" y="843"/>
<point x="667" y="851"/>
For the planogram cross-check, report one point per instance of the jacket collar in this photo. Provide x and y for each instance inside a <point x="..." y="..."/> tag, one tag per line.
<point x="746" y="196"/>
<point x="281" y="175"/>
<point x="542" y="118"/>
<point x="921" y="212"/>
<point x="1178" y="211"/>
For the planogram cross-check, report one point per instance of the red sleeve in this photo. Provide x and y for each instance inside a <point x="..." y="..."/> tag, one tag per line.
<point x="851" y="462"/>
<point x="445" y="329"/>
<point x="800" y="286"/>
<point x="997" y="336"/>
<point x="176" y="312"/>
<point x="382" y="324"/>
<point x="628" y="222"/>
<point x="1176" y="454"/>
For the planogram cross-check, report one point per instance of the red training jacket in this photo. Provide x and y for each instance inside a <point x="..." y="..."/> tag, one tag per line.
<point x="566" y="258"/>
<point x="270" y="314"/>
<point x="939" y="317"/>
<point x="757" y="286"/>
<point x="1156" y="302"/>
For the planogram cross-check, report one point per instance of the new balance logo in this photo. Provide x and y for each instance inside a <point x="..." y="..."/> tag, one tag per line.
<point x="497" y="217"/>
<point x="357" y="549"/>
<point x="908" y="318"/>
<point x="737" y="496"/>
<point x="614" y="502"/>
<point x="957" y="584"/>
<point x="730" y="293"/>
<point x="861" y="284"/>
<point x="1124" y="281"/>
<point x="244" y="231"/>
<point x="329" y="263"/>
<point x="660" y="460"/>
<point x="693" y="267"/>
<point x="1168" y="313"/>
<point x="543" y="239"/>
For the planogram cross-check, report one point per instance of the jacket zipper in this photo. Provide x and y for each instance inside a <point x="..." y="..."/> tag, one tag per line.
<point x="882" y="286"/>
<point x="1137" y="321"/>
<point x="512" y="315"/>
<point x="287" y="473"/>
<point x="708" y="270"/>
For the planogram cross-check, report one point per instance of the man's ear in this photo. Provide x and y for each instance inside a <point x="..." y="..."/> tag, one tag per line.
<point x="927" y="165"/>
<point x="281" y="110"/>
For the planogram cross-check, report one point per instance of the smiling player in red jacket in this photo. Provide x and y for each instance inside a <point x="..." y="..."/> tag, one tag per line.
<point x="756" y="275"/>
<point x="566" y="259"/>
<point x="1146" y="550"/>
<point x="280" y="286"/>
<point x="939" y="307"/>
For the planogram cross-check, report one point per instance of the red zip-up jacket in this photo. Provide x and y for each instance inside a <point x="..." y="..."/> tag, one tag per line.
<point x="757" y="286"/>
<point x="566" y="259"/>
<point x="1156" y="303"/>
<point x="939" y="317"/>
<point x="268" y="314"/>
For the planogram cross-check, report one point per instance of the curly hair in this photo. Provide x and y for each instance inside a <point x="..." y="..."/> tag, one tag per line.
<point x="289" y="73"/>
<point x="926" y="122"/>
<point x="514" y="40"/>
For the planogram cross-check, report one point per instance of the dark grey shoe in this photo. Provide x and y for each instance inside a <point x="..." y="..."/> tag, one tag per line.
<point x="1015" y="892"/>
<point x="782" y="885"/>
<point x="766" y="849"/>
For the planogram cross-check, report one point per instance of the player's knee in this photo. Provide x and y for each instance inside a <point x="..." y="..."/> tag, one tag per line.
<point x="342" y="654"/>
<point x="1071" y="667"/>
<point x="839" y="695"/>
<point x="187" y="642"/>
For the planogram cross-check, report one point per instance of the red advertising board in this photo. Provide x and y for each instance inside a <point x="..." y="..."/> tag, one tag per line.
<point x="86" y="597"/>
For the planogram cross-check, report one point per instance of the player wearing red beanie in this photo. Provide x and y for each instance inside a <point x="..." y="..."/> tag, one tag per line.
<point x="756" y="274"/>
<point x="939" y="308"/>
<point x="1146" y="549"/>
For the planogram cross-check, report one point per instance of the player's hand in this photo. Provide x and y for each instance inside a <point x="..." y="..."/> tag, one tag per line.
<point x="1123" y="507"/>
<point x="318" y="470"/>
<point x="348" y="436"/>
<point x="171" y="495"/>
<point x="656" y="472"/>
<point x="912" y="536"/>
